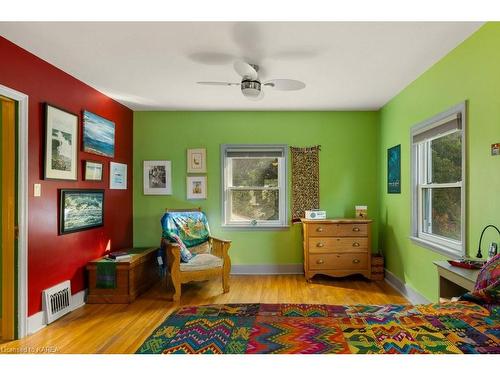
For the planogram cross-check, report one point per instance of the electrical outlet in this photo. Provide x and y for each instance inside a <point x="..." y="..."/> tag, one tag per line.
<point x="37" y="191"/>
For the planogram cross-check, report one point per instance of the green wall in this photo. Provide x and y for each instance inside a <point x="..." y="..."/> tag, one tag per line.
<point x="470" y="72"/>
<point x="348" y="168"/>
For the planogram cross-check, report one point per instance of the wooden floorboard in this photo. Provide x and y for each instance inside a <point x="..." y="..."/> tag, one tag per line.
<point x="123" y="328"/>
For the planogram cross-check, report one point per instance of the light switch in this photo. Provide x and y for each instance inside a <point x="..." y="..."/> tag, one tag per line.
<point x="37" y="191"/>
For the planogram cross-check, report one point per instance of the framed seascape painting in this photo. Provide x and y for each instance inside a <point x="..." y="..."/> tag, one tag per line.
<point x="93" y="170"/>
<point x="196" y="187"/>
<point x="98" y="135"/>
<point x="117" y="176"/>
<point x="196" y="160"/>
<point x="394" y="170"/>
<point x="61" y="140"/>
<point x="80" y="209"/>
<point x="157" y="177"/>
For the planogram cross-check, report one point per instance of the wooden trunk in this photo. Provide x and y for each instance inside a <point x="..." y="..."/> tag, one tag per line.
<point x="132" y="278"/>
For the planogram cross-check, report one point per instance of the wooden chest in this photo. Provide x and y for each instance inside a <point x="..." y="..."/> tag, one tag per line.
<point x="337" y="247"/>
<point x="132" y="278"/>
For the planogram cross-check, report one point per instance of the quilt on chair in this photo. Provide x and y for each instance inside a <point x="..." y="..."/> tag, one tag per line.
<point x="457" y="327"/>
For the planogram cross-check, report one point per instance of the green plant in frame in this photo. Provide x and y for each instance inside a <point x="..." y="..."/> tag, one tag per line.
<point x="394" y="170"/>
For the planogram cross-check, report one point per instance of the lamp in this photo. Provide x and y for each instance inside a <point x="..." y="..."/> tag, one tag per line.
<point x="479" y="255"/>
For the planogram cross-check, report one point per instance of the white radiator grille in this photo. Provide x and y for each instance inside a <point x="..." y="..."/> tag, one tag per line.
<point x="57" y="301"/>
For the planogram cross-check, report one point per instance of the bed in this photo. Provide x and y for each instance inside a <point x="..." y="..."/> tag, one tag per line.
<point x="469" y="325"/>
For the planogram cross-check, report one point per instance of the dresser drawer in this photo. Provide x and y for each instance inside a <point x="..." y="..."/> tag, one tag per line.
<point x="341" y="261"/>
<point x="328" y="244"/>
<point x="338" y="230"/>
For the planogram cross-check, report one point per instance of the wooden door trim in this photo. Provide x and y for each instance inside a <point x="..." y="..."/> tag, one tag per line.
<point x="8" y="216"/>
<point x="22" y="206"/>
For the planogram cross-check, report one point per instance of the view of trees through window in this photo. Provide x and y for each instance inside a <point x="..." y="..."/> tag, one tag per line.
<point x="254" y="189"/>
<point x="445" y="168"/>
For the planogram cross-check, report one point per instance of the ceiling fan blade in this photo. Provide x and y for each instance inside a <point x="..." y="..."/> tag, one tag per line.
<point x="285" y="84"/>
<point x="218" y="83"/>
<point x="245" y="70"/>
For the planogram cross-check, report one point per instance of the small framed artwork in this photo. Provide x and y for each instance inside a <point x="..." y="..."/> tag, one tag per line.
<point x="93" y="171"/>
<point x="157" y="177"/>
<point x="197" y="187"/>
<point x="394" y="170"/>
<point x="61" y="140"/>
<point x="196" y="160"/>
<point x="80" y="209"/>
<point x="117" y="176"/>
<point x="98" y="135"/>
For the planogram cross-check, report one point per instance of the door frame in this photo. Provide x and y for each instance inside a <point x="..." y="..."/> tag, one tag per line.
<point x="22" y="207"/>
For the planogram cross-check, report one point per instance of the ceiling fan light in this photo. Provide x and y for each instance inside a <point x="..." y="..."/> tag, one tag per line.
<point x="250" y="89"/>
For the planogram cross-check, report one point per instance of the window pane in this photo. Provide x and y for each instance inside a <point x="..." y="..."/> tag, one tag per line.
<point x="254" y="205"/>
<point x="255" y="172"/>
<point x="446" y="162"/>
<point x="442" y="212"/>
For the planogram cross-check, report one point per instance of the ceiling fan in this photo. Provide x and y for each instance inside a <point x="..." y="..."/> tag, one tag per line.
<point x="251" y="86"/>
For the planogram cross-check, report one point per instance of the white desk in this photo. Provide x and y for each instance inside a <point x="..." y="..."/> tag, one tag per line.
<point x="454" y="281"/>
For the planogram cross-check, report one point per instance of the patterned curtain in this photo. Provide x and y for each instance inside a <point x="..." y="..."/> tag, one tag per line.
<point x="305" y="180"/>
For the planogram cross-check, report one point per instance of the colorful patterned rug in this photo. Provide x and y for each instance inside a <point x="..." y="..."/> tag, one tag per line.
<point x="458" y="327"/>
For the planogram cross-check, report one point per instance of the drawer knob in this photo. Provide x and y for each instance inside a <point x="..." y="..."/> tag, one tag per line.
<point x="319" y="229"/>
<point x="320" y="261"/>
<point x="355" y="229"/>
<point x="355" y="244"/>
<point x="355" y="261"/>
<point x="320" y="244"/>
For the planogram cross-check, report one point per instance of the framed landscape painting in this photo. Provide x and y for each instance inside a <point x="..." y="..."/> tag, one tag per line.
<point x="61" y="140"/>
<point x="157" y="177"/>
<point x="394" y="170"/>
<point x="80" y="209"/>
<point x="98" y="135"/>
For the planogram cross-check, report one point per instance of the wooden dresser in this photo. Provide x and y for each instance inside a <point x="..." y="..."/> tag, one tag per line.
<point x="337" y="247"/>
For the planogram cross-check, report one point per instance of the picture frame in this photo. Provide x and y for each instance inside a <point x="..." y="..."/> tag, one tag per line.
<point x="117" y="176"/>
<point x="92" y="170"/>
<point x="196" y="187"/>
<point x="80" y="209"/>
<point x="98" y="135"/>
<point x="157" y="177"/>
<point x="196" y="160"/>
<point x="394" y="170"/>
<point x="61" y="144"/>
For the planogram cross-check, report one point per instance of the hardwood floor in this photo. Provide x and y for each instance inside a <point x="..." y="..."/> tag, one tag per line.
<point x="122" y="328"/>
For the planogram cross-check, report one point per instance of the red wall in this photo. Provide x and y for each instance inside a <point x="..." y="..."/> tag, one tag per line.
<point x="53" y="258"/>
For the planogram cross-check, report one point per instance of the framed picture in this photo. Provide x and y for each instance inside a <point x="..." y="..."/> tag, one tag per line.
<point x="157" y="177"/>
<point x="196" y="160"/>
<point x="394" y="170"/>
<point x="117" y="176"/>
<point x="98" y="135"/>
<point x="80" y="210"/>
<point x="61" y="140"/>
<point x="93" y="171"/>
<point x="197" y="187"/>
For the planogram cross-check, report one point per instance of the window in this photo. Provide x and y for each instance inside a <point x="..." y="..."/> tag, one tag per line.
<point x="254" y="186"/>
<point x="438" y="175"/>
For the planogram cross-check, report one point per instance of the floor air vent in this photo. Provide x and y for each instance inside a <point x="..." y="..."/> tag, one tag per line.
<point x="57" y="301"/>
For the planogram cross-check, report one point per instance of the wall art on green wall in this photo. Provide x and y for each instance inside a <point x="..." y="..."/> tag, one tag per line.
<point x="394" y="170"/>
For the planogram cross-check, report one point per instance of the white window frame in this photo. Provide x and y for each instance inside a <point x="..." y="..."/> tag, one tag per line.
<point x="420" y="172"/>
<point x="226" y="174"/>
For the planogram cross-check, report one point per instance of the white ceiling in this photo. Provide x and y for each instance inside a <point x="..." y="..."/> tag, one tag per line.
<point x="154" y="65"/>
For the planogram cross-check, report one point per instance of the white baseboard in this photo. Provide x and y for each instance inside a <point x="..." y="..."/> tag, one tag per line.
<point x="411" y="294"/>
<point x="268" y="269"/>
<point x="39" y="320"/>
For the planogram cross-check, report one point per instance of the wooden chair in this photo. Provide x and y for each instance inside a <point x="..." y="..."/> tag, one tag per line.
<point x="194" y="270"/>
